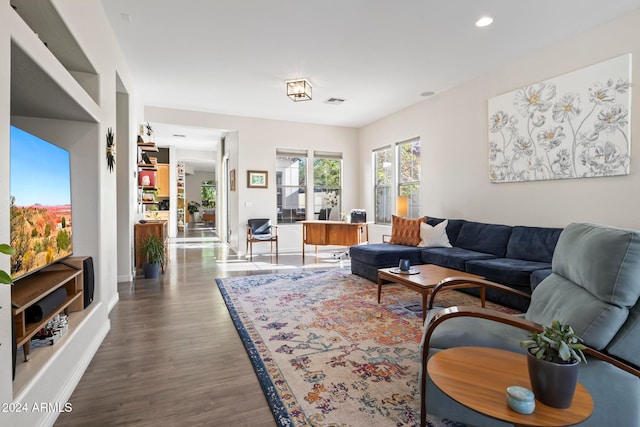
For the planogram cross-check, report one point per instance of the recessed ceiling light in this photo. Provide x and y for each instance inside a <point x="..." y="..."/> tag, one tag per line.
<point x="125" y="17"/>
<point x="484" y="21"/>
<point x="427" y="93"/>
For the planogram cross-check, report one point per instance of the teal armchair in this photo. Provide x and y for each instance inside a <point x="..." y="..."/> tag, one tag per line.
<point x="595" y="287"/>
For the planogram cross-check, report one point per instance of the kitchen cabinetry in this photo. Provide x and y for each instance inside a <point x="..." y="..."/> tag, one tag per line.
<point x="162" y="182"/>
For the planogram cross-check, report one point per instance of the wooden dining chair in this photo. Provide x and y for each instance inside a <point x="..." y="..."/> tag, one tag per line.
<point x="261" y="230"/>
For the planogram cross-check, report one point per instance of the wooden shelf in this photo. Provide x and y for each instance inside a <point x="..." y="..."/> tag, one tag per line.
<point x="31" y="289"/>
<point x="148" y="146"/>
<point x="148" y="166"/>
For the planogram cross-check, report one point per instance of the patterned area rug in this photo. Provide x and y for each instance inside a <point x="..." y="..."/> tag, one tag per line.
<point x="326" y="353"/>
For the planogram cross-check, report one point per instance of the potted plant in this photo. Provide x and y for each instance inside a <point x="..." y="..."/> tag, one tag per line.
<point x="154" y="250"/>
<point x="553" y="356"/>
<point x="193" y="207"/>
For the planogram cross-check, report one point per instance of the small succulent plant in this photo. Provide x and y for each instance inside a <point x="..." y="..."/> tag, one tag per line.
<point x="557" y="343"/>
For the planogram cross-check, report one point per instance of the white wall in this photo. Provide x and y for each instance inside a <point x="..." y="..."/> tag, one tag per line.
<point x="257" y="142"/>
<point x="453" y="127"/>
<point x="94" y="192"/>
<point x="6" y="392"/>
<point x="193" y="185"/>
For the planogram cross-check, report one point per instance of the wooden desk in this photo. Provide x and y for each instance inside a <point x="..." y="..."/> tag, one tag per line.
<point x="478" y="377"/>
<point x="333" y="233"/>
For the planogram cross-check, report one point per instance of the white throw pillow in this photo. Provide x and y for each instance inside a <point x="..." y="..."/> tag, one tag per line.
<point x="431" y="237"/>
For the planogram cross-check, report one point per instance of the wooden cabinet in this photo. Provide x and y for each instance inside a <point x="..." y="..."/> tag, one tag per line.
<point x="150" y="215"/>
<point x="141" y="231"/>
<point x="29" y="290"/>
<point x="162" y="180"/>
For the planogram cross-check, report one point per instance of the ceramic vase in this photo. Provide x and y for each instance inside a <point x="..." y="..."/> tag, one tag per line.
<point x="553" y="383"/>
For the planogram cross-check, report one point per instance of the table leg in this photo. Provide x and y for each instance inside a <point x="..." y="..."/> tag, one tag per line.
<point x="379" y="289"/>
<point x="27" y="351"/>
<point x="425" y="297"/>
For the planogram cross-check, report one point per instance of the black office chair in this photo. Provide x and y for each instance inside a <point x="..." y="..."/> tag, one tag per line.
<point x="324" y="214"/>
<point x="261" y="230"/>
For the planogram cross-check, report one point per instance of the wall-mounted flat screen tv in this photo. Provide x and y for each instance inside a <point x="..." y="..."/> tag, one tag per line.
<point x="41" y="226"/>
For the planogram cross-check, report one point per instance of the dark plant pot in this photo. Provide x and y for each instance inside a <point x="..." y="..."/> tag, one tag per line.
<point x="553" y="383"/>
<point x="151" y="270"/>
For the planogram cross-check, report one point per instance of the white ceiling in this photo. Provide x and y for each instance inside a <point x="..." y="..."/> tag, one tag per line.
<point x="233" y="57"/>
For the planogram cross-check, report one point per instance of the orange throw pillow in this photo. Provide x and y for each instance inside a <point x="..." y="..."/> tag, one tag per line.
<point x="406" y="231"/>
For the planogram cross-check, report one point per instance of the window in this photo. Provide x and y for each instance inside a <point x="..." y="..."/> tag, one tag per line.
<point x="291" y="183"/>
<point x="208" y="194"/>
<point x="327" y="185"/>
<point x="382" y="185"/>
<point x="408" y="153"/>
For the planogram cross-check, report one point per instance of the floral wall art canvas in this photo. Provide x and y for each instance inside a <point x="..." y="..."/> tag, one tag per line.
<point x="573" y="126"/>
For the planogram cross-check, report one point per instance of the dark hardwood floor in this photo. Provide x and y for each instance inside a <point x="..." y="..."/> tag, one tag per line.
<point x="173" y="356"/>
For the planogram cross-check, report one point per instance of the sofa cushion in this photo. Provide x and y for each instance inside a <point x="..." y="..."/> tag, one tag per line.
<point x="453" y="227"/>
<point x="533" y="243"/>
<point x="405" y="231"/>
<point x="486" y="238"/>
<point x="451" y="257"/>
<point x="626" y="343"/>
<point x="434" y="236"/>
<point x="506" y="270"/>
<point x="538" y="276"/>
<point x="594" y="283"/>
<point x="383" y="255"/>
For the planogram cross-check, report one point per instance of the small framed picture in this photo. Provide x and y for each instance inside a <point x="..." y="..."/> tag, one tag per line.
<point x="257" y="179"/>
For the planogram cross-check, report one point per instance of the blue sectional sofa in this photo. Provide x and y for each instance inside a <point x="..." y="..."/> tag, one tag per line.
<point x="516" y="256"/>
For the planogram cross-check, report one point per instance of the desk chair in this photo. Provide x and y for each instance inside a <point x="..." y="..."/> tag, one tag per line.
<point x="261" y="230"/>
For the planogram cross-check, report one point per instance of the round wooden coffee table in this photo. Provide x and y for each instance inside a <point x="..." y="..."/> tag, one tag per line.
<point x="478" y="377"/>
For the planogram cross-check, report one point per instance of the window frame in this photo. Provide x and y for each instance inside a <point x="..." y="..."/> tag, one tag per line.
<point x="403" y="186"/>
<point x="291" y="215"/>
<point x="326" y="201"/>
<point x="382" y="209"/>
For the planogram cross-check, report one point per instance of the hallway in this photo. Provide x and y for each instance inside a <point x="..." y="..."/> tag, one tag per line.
<point x="173" y="356"/>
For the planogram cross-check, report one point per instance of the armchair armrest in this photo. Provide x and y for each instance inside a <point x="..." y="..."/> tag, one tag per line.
<point x="456" y="282"/>
<point x="508" y="319"/>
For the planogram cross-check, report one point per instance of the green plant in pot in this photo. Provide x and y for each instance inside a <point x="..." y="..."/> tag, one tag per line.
<point x="154" y="251"/>
<point x="193" y="207"/>
<point x="553" y="358"/>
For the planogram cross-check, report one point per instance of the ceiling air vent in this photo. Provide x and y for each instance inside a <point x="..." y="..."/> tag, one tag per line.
<point x="334" y="101"/>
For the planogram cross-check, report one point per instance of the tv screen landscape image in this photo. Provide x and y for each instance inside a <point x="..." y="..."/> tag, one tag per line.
<point x="41" y="226"/>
